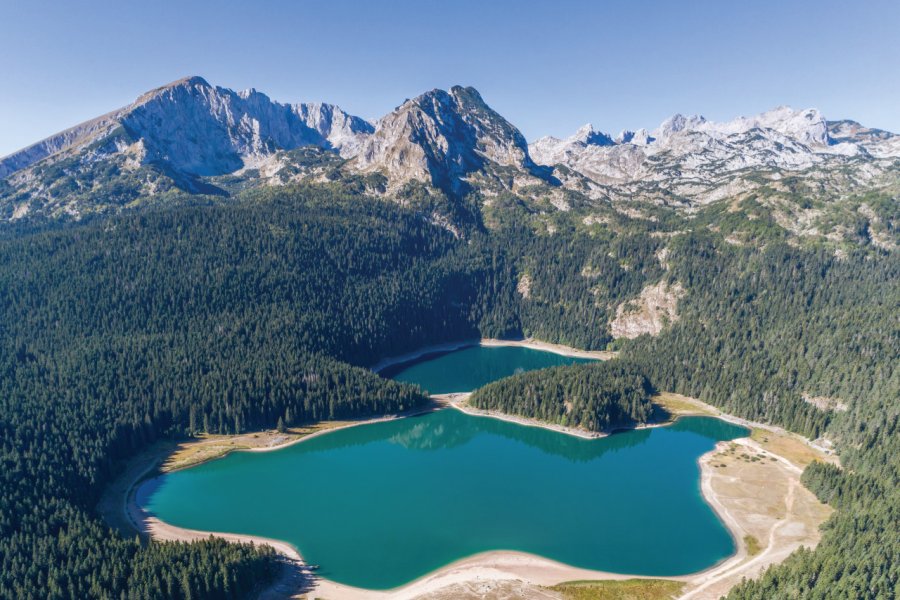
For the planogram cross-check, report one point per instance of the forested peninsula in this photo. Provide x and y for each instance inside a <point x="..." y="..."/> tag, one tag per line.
<point x="597" y="397"/>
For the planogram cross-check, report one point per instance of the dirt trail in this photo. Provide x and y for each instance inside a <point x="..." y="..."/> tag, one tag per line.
<point x="742" y="569"/>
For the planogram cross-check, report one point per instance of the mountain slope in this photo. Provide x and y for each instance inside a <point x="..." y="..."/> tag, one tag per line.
<point x="168" y="139"/>
<point x="200" y="129"/>
<point x="222" y="316"/>
<point x="693" y="161"/>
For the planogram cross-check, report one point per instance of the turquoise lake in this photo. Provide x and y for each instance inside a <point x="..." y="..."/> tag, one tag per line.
<point x="470" y="368"/>
<point x="379" y="505"/>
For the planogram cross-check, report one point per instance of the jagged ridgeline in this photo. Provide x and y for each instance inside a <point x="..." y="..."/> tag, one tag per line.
<point x="781" y="174"/>
<point x="601" y="396"/>
<point x="212" y="261"/>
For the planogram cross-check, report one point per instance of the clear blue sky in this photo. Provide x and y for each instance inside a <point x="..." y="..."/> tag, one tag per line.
<point x="547" y="66"/>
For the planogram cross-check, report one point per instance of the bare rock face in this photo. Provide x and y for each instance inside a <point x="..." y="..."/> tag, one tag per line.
<point x="701" y="161"/>
<point x="825" y="403"/>
<point x="205" y="130"/>
<point x="550" y="150"/>
<point x="198" y="129"/>
<point x="441" y="138"/>
<point x="523" y="287"/>
<point x="342" y="131"/>
<point x="650" y="313"/>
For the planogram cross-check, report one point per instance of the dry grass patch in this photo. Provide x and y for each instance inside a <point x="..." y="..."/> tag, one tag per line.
<point x="752" y="544"/>
<point x="676" y="404"/>
<point x="768" y="508"/>
<point x="789" y="446"/>
<point x="626" y="589"/>
<point x="208" y="447"/>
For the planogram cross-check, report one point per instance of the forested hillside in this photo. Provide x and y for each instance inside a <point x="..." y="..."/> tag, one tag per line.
<point x="218" y="319"/>
<point x="597" y="397"/>
<point x="761" y="330"/>
<point x="228" y="315"/>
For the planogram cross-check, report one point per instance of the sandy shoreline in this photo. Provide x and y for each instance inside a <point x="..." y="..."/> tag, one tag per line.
<point x="161" y="530"/>
<point x="503" y="566"/>
<point x="458" y="400"/>
<point x="491" y="343"/>
<point x="496" y="565"/>
<point x="487" y="566"/>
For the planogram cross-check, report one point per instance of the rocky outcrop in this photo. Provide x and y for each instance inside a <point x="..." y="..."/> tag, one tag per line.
<point x="523" y="287"/>
<point x="649" y="313"/>
<point x="825" y="403"/>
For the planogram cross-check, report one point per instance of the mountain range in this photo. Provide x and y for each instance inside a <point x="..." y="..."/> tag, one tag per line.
<point x="196" y="138"/>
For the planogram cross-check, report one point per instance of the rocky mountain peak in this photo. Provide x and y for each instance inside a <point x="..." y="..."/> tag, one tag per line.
<point x="587" y="135"/>
<point x="180" y="134"/>
<point x="441" y="137"/>
<point x="678" y="123"/>
<point x="185" y="83"/>
<point x="805" y="126"/>
<point x="847" y="130"/>
<point x="700" y="161"/>
<point x="198" y="129"/>
<point x="550" y="150"/>
<point x="641" y="137"/>
<point x="225" y="127"/>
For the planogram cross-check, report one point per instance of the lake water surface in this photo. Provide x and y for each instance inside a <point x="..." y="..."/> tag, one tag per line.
<point x="379" y="505"/>
<point x="470" y="368"/>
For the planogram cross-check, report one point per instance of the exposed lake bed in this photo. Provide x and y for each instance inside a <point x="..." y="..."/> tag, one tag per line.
<point x="551" y="554"/>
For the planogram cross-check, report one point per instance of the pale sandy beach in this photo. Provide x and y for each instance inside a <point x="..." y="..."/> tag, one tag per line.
<point x="459" y="401"/>
<point x="548" y="347"/>
<point x="782" y="516"/>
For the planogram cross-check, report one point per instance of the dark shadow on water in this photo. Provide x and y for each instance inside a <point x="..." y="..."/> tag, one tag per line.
<point x="391" y="371"/>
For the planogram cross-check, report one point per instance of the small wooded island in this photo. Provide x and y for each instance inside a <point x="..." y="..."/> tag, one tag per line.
<point x="597" y="397"/>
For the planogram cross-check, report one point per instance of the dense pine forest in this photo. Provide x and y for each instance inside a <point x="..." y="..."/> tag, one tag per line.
<point x="596" y="397"/>
<point x="228" y="316"/>
<point x="196" y="319"/>
<point x="758" y="331"/>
